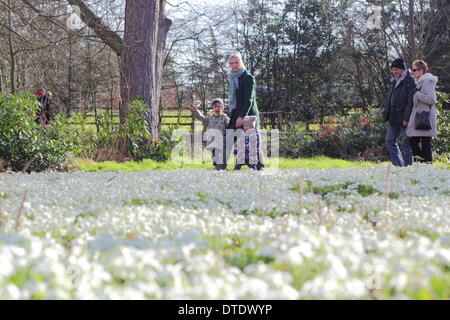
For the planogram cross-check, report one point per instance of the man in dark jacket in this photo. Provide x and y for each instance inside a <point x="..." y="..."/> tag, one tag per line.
<point x="397" y="111"/>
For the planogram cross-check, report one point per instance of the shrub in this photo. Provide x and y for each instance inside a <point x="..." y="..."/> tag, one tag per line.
<point x="296" y="142"/>
<point x="140" y="142"/>
<point x="442" y="141"/>
<point x="352" y="136"/>
<point x="24" y="144"/>
<point x="160" y="150"/>
<point x="138" y="130"/>
<point x="102" y="143"/>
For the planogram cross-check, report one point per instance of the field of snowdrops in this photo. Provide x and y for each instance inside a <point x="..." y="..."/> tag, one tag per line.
<point x="358" y="233"/>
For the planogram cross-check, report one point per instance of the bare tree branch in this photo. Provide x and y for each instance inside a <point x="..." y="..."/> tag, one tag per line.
<point x="109" y="37"/>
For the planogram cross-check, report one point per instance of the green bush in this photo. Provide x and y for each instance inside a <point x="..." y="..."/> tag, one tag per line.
<point x="24" y="144"/>
<point x="365" y="130"/>
<point x="135" y="135"/>
<point x="102" y="137"/>
<point x="442" y="141"/>
<point x="351" y="136"/>
<point x="296" y="142"/>
<point x="138" y="130"/>
<point x="140" y="142"/>
<point x="161" y="149"/>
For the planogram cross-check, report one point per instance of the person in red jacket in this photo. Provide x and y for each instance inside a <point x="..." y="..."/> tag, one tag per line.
<point x="44" y="98"/>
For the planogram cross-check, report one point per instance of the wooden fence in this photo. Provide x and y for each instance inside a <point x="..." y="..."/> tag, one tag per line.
<point x="274" y="120"/>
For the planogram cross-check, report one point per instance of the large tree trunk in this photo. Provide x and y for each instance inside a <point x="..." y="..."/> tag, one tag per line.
<point x="141" y="51"/>
<point x="146" y="29"/>
<point x="136" y="68"/>
<point x="163" y="30"/>
<point x="12" y="55"/>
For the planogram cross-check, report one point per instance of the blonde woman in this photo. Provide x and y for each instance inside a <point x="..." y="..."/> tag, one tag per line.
<point x="242" y="98"/>
<point x="424" y="100"/>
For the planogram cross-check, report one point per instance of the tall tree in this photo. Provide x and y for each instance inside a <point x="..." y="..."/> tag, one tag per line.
<point x="141" y="51"/>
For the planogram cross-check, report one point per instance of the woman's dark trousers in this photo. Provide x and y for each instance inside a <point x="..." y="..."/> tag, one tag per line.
<point x="422" y="149"/>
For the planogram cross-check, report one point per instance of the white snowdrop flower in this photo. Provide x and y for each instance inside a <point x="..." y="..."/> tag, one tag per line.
<point x="11" y="239"/>
<point x="104" y="243"/>
<point x="354" y="288"/>
<point x="120" y="245"/>
<point x="331" y="287"/>
<point x="269" y="252"/>
<point x="18" y="252"/>
<point x="209" y="288"/>
<point x="130" y="293"/>
<point x="444" y="239"/>
<point x="292" y="257"/>
<point x="6" y="266"/>
<point x="57" y="294"/>
<point x="287" y="293"/>
<point x="323" y="231"/>
<point x="149" y="290"/>
<point x="10" y="292"/>
<point x="36" y="248"/>
<point x="43" y="268"/>
<point x="400" y="296"/>
<point x="337" y="269"/>
<point x="256" y="269"/>
<point x="35" y="288"/>
<point x="306" y="249"/>
<point x="278" y="279"/>
<point x="314" y="288"/>
<point x="354" y="260"/>
<point x="399" y="282"/>
<point x="254" y="288"/>
<point x="443" y="256"/>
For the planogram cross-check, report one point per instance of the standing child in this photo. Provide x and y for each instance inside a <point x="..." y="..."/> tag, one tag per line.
<point x="219" y="122"/>
<point x="249" y="146"/>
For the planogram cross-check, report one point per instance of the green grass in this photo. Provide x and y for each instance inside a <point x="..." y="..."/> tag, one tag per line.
<point x="321" y="162"/>
<point x="442" y="163"/>
<point x="146" y="165"/>
<point x="129" y="166"/>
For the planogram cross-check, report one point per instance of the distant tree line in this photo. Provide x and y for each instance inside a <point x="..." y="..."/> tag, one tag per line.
<point x="310" y="57"/>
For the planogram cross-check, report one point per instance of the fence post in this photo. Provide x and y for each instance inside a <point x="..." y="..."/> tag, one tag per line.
<point x="96" y="118"/>
<point x="280" y="121"/>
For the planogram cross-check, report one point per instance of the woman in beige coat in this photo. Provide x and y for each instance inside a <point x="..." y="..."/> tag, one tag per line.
<point x="424" y="100"/>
